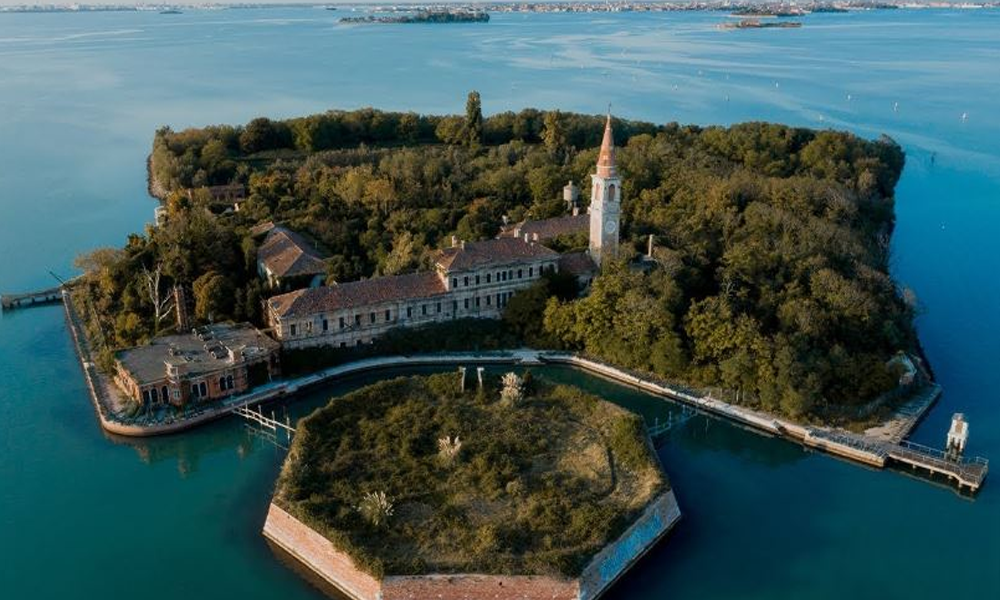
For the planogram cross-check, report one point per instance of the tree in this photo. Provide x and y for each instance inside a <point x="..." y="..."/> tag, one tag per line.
<point x="553" y="135"/>
<point x="260" y="134"/>
<point x="162" y="303"/>
<point x="473" y="119"/>
<point x="213" y="297"/>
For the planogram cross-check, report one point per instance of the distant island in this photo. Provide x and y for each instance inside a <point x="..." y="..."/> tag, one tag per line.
<point x="429" y="16"/>
<point x="758" y="24"/>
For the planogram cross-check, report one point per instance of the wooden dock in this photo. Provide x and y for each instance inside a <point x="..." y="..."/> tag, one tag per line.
<point x="29" y="299"/>
<point x="966" y="472"/>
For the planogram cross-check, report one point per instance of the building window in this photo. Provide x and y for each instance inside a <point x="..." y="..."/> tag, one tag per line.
<point x="388" y="315"/>
<point x="466" y="304"/>
<point x="531" y="272"/>
<point x="229" y="382"/>
<point x="488" y="277"/>
<point x="409" y="312"/>
<point x="342" y="324"/>
<point x="203" y="388"/>
<point x="510" y="274"/>
<point x="489" y="300"/>
<point x="343" y="344"/>
<point x="222" y="384"/>
<point x="309" y="326"/>
<point x="293" y="328"/>
<point x="439" y="307"/>
<point x="454" y="306"/>
<point x="465" y="281"/>
<point x="194" y="390"/>
<point x="177" y="394"/>
<point x="359" y="343"/>
<point x="145" y="396"/>
<point x="477" y="279"/>
<point x="477" y="301"/>
<point x="519" y="273"/>
<point x="423" y="310"/>
<point x="371" y="317"/>
<point x="357" y="320"/>
<point x="454" y="282"/>
<point x="499" y="301"/>
<point x="152" y="395"/>
<point x="503" y="276"/>
<point x="326" y="325"/>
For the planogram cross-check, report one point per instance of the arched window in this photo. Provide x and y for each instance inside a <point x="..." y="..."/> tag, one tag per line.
<point x="222" y="384"/>
<point x="203" y="388"/>
<point x="152" y="395"/>
<point x="145" y="395"/>
<point x="229" y="382"/>
<point x="611" y="193"/>
<point x="194" y="390"/>
<point x="163" y="394"/>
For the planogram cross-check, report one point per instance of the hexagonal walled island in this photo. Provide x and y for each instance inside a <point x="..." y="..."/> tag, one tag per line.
<point x="413" y="488"/>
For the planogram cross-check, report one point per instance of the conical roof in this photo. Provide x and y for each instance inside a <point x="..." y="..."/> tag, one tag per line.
<point x="606" y="166"/>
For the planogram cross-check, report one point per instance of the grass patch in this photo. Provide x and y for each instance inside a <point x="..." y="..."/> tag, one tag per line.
<point x="536" y="488"/>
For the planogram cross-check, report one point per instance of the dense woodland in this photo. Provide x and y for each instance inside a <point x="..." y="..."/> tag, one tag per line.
<point x="771" y="243"/>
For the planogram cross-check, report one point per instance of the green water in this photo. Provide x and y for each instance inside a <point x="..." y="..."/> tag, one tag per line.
<point x="87" y="516"/>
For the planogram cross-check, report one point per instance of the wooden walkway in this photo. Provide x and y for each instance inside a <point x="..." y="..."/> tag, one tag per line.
<point x="29" y="299"/>
<point x="965" y="472"/>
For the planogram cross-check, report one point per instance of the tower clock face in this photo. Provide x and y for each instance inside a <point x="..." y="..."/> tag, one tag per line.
<point x="611" y="226"/>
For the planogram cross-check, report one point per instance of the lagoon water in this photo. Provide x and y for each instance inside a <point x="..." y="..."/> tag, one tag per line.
<point x="85" y="516"/>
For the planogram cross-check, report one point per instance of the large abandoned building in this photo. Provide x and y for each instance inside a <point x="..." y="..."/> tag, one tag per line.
<point x="210" y="363"/>
<point x="470" y="280"/>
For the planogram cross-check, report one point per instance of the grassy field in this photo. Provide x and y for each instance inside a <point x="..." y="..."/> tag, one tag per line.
<point x="532" y="483"/>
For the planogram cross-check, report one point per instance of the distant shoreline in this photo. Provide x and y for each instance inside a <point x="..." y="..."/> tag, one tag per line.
<point x="590" y="6"/>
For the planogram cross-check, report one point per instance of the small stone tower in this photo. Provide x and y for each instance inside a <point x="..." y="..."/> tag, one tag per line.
<point x="571" y="196"/>
<point x="605" y="201"/>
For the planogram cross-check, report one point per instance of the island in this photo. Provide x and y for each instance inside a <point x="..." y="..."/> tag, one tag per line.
<point x="424" y="16"/>
<point x="742" y="270"/>
<point x="758" y="24"/>
<point x="423" y="487"/>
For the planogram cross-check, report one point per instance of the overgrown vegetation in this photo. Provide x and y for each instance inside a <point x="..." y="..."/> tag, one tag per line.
<point x="533" y="488"/>
<point x="771" y="243"/>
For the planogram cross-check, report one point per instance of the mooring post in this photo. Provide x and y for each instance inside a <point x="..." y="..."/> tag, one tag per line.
<point x="479" y="375"/>
<point x="461" y="375"/>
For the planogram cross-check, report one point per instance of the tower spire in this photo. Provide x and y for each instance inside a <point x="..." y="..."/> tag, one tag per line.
<point x="606" y="165"/>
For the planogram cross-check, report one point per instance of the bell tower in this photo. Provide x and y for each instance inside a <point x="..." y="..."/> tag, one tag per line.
<point x="605" y="201"/>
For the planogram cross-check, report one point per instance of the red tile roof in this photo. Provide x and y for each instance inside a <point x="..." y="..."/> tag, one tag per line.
<point x="357" y="294"/>
<point x="577" y="263"/>
<point x="288" y="254"/>
<point x="501" y="251"/>
<point x="548" y="229"/>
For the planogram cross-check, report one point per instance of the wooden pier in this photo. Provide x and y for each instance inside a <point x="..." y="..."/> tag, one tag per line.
<point x="29" y="299"/>
<point x="39" y="297"/>
<point x="966" y="472"/>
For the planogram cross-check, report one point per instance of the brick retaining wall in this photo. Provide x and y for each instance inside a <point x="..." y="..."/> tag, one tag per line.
<point x="319" y="555"/>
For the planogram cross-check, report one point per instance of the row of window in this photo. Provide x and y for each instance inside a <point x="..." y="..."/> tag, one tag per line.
<point x="198" y="390"/>
<point x="501" y="299"/>
<point x="500" y="277"/>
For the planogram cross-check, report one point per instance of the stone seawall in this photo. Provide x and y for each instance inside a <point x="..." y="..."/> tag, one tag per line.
<point x="317" y="554"/>
<point x="614" y="560"/>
